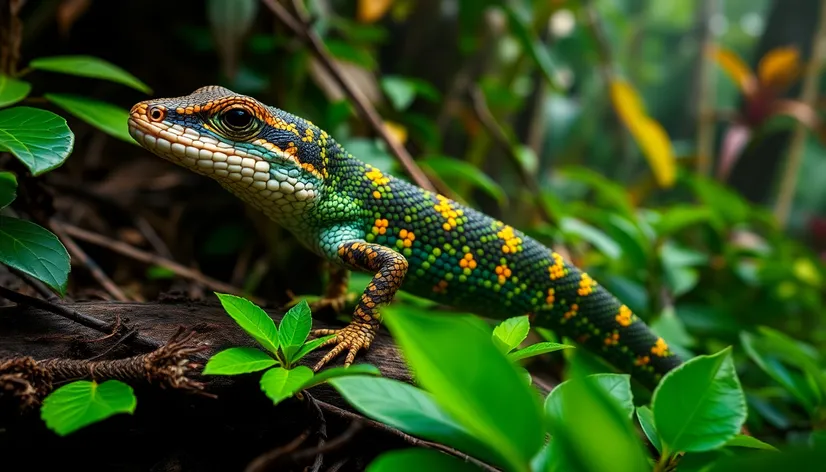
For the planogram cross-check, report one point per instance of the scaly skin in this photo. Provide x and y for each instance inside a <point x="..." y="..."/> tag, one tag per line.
<point x="358" y="218"/>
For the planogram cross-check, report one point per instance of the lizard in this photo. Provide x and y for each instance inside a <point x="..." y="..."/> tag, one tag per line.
<point x="358" y="218"/>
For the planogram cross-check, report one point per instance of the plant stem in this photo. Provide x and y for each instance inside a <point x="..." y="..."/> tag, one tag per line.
<point x="808" y="96"/>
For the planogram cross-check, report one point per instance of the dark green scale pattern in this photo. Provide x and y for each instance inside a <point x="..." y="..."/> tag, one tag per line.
<point x="393" y="209"/>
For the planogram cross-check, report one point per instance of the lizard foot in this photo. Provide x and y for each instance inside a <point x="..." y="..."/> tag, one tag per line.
<point x="354" y="337"/>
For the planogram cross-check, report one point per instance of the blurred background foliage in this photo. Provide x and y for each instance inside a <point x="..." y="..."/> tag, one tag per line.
<point x="674" y="149"/>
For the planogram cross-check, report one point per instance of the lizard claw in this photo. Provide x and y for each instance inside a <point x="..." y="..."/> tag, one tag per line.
<point x="353" y="337"/>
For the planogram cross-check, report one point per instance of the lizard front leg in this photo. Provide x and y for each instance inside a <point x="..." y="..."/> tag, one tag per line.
<point x="390" y="268"/>
<point x="335" y="295"/>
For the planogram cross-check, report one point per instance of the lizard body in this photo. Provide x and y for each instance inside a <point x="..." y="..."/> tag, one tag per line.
<point x="358" y="218"/>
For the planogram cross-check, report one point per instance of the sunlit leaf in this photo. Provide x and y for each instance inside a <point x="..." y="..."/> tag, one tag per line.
<point x="12" y="90"/>
<point x="336" y="372"/>
<point x="279" y="383"/>
<point x="106" y="117"/>
<point x="255" y="321"/>
<point x="294" y="328"/>
<point x="646" y="419"/>
<point x="508" y="334"/>
<point x="741" y="440"/>
<point x="779" y="68"/>
<point x="415" y="460"/>
<point x="39" y="138"/>
<point x="238" y="360"/>
<point x="82" y="403"/>
<point x="89" y="66"/>
<point x="649" y="134"/>
<point x="537" y="350"/>
<point x="34" y="250"/>
<point x="311" y="346"/>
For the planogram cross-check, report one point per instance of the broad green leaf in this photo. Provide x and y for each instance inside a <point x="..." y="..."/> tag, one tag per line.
<point x="536" y="350"/>
<point x="106" y="117"/>
<point x="311" y="346"/>
<point x="451" y="168"/>
<point x="252" y="319"/>
<point x="510" y="333"/>
<point x="699" y="406"/>
<point x="646" y="418"/>
<point x="238" y="360"/>
<point x="582" y="408"/>
<point x="8" y="188"/>
<point x="12" y="90"/>
<point x="39" y="138"/>
<point x="89" y="66"/>
<point x="617" y="386"/>
<point x="408" y="409"/>
<point x="741" y="440"/>
<point x="417" y="459"/>
<point x="82" y="403"/>
<point x="336" y="372"/>
<point x="294" y="328"/>
<point x="34" y="250"/>
<point x="280" y="384"/>
<point x="453" y="358"/>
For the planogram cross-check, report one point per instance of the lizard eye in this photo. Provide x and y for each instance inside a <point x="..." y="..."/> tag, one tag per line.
<point x="237" y="119"/>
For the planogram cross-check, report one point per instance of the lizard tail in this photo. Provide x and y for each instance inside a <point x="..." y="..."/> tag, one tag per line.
<point x="594" y="318"/>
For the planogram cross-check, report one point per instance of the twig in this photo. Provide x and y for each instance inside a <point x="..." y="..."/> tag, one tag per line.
<point x="149" y="258"/>
<point x="808" y="96"/>
<point x="80" y="255"/>
<point x="80" y="318"/>
<point x="305" y="33"/>
<point x="264" y="461"/>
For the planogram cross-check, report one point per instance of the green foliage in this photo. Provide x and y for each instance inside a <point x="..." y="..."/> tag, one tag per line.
<point x="35" y="251"/>
<point x="12" y="90"/>
<point x="81" y="403"/>
<point x="106" y="117"/>
<point x="419" y="459"/>
<point x="39" y="138"/>
<point x="285" y="344"/>
<point x="89" y="66"/>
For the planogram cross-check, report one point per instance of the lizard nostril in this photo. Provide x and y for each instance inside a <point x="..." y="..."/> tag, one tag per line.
<point x="156" y="113"/>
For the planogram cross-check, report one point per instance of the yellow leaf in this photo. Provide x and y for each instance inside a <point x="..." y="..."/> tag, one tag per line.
<point x="779" y="68"/>
<point x="649" y="135"/>
<point x="736" y="69"/>
<point x="398" y="131"/>
<point x="370" y="11"/>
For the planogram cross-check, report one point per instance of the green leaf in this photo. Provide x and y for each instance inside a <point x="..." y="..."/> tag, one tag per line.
<point x="403" y="90"/>
<point x="35" y="251"/>
<point x="510" y="333"/>
<point x="741" y="440"/>
<point x="454" y="359"/>
<point x="294" y="328"/>
<point x="252" y="319"/>
<point x="39" y="138"/>
<point x="238" y="360"/>
<point x="794" y="458"/>
<point x="310" y="346"/>
<point x="451" y="168"/>
<point x="679" y="217"/>
<point x="617" y="386"/>
<point x="82" y="403"/>
<point x="699" y="405"/>
<point x="646" y="418"/>
<point x="415" y="460"/>
<point x="106" y="117"/>
<point x="575" y="411"/>
<point x="8" y="188"/>
<point x="336" y="372"/>
<point x="586" y="232"/>
<point x="408" y="409"/>
<point x="536" y="350"/>
<point x="12" y="90"/>
<point x="520" y="24"/>
<point x="280" y="384"/>
<point x="89" y="66"/>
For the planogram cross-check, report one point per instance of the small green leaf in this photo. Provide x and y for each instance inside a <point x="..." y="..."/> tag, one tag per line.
<point x="646" y="418"/>
<point x="12" y="90"/>
<point x="699" y="406"/>
<point x="252" y="319"/>
<point x="536" y="350"/>
<point x="8" y="188"/>
<point x="280" y="384"/>
<point x="106" y="117"/>
<point x="238" y="360"/>
<point x="400" y="92"/>
<point x="336" y="372"/>
<point x="82" y="403"/>
<point x="450" y="168"/>
<point x="617" y="386"/>
<point x="89" y="66"/>
<point x="408" y="409"/>
<point x="417" y="459"/>
<point x="39" y="138"/>
<point x="741" y="440"/>
<point x="510" y="333"/>
<point x="310" y="346"/>
<point x="294" y="328"/>
<point x="34" y="250"/>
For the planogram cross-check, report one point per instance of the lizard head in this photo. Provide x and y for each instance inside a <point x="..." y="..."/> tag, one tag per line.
<point x="269" y="158"/>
